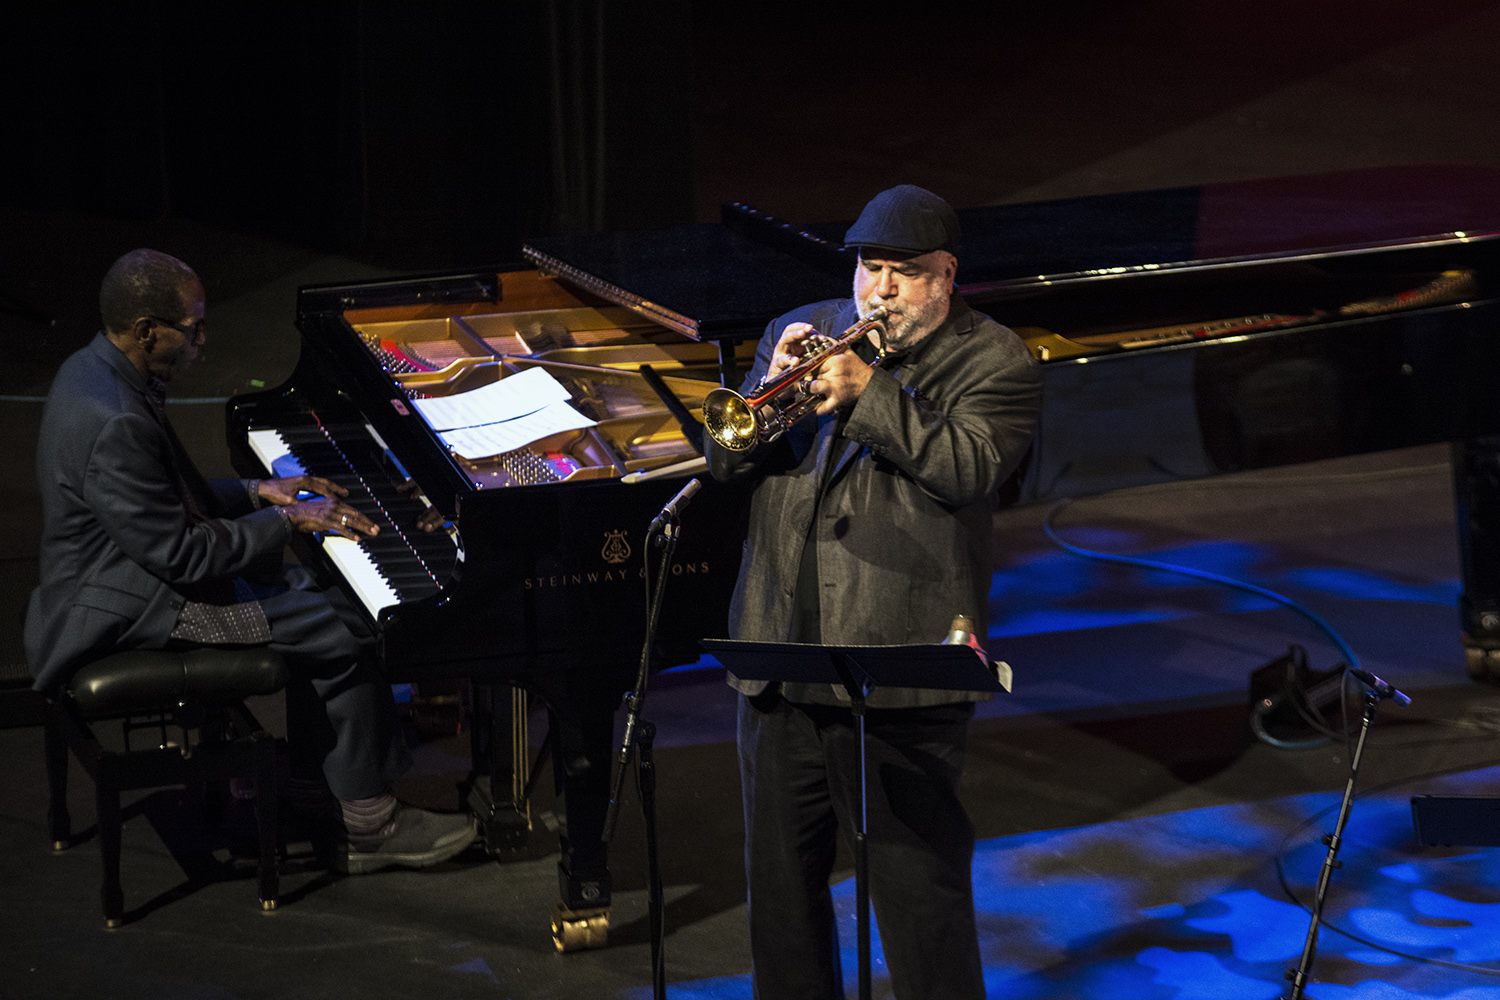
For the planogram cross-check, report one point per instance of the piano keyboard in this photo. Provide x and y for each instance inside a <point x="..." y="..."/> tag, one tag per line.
<point x="403" y="563"/>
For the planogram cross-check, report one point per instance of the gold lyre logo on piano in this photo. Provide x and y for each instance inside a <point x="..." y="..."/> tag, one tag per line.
<point x="616" y="550"/>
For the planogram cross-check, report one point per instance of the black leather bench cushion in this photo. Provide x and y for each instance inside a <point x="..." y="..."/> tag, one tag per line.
<point x="150" y="679"/>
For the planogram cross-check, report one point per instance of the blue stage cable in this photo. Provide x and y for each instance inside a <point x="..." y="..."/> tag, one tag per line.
<point x="1251" y="588"/>
<point x="1338" y="641"/>
<point x="1349" y="658"/>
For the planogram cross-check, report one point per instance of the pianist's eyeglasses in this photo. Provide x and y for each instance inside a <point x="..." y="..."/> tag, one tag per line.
<point x="189" y="330"/>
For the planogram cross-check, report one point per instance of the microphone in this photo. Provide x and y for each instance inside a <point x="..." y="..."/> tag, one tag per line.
<point x="1379" y="686"/>
<point x="674" y="506"/>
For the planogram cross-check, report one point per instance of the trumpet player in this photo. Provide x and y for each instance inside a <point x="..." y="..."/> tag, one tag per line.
<point x="871" y="524"/>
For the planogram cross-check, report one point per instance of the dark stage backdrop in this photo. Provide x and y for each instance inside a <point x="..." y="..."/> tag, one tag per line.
<point x="417" y="135"/>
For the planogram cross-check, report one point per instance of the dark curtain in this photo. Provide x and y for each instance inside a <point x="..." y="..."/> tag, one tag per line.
<point x="421" y="136"/>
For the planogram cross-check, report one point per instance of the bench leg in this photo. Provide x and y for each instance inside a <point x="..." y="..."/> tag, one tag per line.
<point x="59" y="823"/>
<point x="265" y="819"/>
<point x="107" y="800"/>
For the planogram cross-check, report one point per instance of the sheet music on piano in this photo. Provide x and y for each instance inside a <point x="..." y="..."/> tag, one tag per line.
<point x="503" y="415"/>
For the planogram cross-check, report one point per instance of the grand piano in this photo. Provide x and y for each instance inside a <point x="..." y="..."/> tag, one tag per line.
<point x="537" y="583"/>
<point x="1183" y="333"/>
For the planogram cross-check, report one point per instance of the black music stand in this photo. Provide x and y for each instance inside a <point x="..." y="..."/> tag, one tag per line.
<point x="859" y="670"/>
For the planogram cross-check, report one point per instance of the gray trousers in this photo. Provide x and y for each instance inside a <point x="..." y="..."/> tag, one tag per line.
<point x="340" y="715"/>
<point x="799" y="767"/>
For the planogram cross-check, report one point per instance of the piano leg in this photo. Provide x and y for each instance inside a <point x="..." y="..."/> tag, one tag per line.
<point x="582" y="757"/>
<point x="579" y="738"/>
<point x="500" y="747"/>
<point x="1476" y="494"/>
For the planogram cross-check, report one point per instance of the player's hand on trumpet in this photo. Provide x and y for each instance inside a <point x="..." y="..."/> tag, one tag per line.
<point x="840" y="380"/>
<point x="794" y="344"/>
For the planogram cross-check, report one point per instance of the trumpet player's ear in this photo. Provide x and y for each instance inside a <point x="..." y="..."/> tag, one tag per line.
<point x="949" y="263"/>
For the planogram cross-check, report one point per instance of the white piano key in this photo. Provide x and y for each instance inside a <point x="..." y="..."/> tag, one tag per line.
<point x="268" y="446"/>
<point x="360" y="572"/>
<point x="351" y="561"/>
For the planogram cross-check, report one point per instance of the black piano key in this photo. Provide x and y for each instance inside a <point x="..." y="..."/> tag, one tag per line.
<point x="391" y="551"/>
<point x="403" y="582"/>
<point x="431" y="544"/>
<point x="415" y="593"/>
<point x="405" y="556"/>
<point x="397" y="571"/>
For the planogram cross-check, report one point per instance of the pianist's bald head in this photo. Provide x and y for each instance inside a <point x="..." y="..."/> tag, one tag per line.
<point x="144" y="283"/>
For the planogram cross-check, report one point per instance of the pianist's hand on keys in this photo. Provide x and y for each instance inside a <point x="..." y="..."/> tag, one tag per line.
<point x="330" y="517"/>
<point x="431" y="519"/>
<point x="326" y="514"/>
<point x="284" y="492"/>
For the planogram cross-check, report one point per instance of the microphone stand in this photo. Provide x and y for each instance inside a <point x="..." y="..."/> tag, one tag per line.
<point x="639" y="736"/>
<point x="1298" y="976"/>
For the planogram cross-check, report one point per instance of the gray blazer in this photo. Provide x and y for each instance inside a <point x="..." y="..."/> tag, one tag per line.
<point x="904" y="527"/>
<point x="116" y="539"/>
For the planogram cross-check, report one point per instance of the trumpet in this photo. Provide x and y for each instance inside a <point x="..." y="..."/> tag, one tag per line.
<point x="738" y="423"/>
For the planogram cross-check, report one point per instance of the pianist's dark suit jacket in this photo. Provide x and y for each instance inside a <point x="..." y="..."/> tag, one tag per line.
<point x="904" y="523"/>
<point x="116" y="540"/>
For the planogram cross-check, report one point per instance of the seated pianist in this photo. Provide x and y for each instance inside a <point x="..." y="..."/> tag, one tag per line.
<point x="139" y="551"/>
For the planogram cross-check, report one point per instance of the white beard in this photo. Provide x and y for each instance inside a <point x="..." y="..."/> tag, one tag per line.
<point x="910" y="325"/>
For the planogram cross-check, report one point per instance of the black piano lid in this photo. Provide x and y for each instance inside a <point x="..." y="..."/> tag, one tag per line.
<point x="705" y="280"/>
<point x="725" y="282"/>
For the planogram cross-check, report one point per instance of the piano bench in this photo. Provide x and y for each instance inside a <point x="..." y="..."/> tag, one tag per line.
<point x="200" y="692"/>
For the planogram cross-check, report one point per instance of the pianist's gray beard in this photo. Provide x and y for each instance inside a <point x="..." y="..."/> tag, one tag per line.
<point x="911" y="324"/>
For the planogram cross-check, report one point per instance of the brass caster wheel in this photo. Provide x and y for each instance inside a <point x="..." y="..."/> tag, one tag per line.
<point x="578" y="930"/>
<point x="58" y="846"/>
<point x="110" y="923"/>
<point x="268" y="905"/>
<point x="1474" y="662"/>
<point x="1483" y="664"/>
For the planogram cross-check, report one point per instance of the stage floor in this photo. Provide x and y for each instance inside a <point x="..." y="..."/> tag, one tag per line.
<point x="1130" y="825"/>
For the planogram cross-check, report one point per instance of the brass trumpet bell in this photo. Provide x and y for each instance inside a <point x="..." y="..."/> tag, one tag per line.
<point x="738" y="423"/>
<point x="729" y="419"/>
